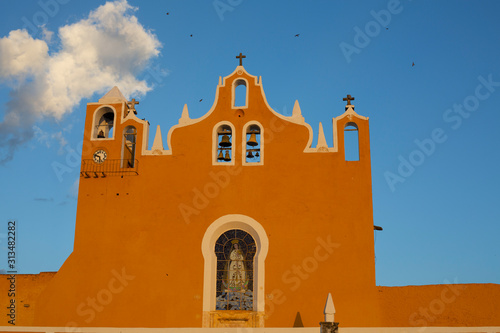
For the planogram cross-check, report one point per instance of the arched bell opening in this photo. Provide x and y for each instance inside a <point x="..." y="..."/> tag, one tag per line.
<point x="351" y="142"/>
<point x="103" y="123"/>
<point x="128" y="149"/>
<point x="224" y="148"/>
<point x="253" y="144"/>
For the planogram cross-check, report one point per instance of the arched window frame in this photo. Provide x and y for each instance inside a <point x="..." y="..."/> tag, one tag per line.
<point x="238" y="82"/>
<point x="134" y="150"/>
<point x="95" y="121"/>
<point x="353" y="124"/>
<point x="215" y="144"/>
<point x="217" y="228"/>
<point x="244" y="143"/>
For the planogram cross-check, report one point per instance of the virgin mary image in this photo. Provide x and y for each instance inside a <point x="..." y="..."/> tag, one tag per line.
<point x="236" y="274"/>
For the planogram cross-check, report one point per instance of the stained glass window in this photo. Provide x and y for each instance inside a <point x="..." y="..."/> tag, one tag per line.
<point x="235" y="251"/>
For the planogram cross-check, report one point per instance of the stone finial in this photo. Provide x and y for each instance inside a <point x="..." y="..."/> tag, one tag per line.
<point x="113" y="96"/>
<point x="322" y="145"/>
<point x="158" y="142"/>
<point x="185" y="115"/>
<point x="297" y="113"/>
<point x="329" y="309"/>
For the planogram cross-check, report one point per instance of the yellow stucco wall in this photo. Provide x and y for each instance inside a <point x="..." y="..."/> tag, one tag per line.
<point x="25" y="294"/>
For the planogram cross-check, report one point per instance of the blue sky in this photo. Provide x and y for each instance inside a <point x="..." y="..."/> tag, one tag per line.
<point x="437" y="202"/>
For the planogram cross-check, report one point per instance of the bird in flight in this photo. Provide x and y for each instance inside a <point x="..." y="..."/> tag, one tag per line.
<point x="297" y="35"/>
<point x="412" y="64"/>
<point x="168" y="13"/>
<point x="201" y="99"/>
<point x="190" y="35"/>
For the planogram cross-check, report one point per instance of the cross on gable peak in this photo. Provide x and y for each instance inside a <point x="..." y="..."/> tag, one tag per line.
<point x="241" y="56"/>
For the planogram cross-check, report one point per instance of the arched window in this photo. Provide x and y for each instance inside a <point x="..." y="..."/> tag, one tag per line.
<point x="351" y="142"/>
<point x="224" y="137"/>
<point x="129" y="140"/>
<point x="104" y="120"/>
<point x="235" y="250"/>
<point x="239" y="93"/>
<point x="253" y="153"/>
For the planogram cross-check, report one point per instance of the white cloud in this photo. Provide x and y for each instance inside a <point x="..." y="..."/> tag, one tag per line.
<point x="108" y="48"/>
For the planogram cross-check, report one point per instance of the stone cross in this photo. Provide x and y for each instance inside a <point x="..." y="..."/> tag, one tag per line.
<point x="131" y="105"/>
<point x="241" y="58"/>
<point x="348" y="99"/>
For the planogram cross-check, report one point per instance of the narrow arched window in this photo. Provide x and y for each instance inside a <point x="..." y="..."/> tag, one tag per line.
<point x="129" y="140"/>
<point x="351" y="142"/>
<point x="104" y="120"/>
<point x="240" y="93"/>
<point x="235" y="251"/>
<point x="224" y="151"/>
<point x="253" y="144"/>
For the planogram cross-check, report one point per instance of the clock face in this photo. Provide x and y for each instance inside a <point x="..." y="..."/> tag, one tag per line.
<point x="99" y="156"/>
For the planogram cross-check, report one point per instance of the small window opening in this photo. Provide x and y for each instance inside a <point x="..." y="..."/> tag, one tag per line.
<point x="224" y="144"/>
<point x="253" y="153"/>
<point x="240" y="93"/>
<point x="104" y="126"/>
<point x="351" y="142"/>
<point x="235" y="251"/>
<point x="129" y="140"/>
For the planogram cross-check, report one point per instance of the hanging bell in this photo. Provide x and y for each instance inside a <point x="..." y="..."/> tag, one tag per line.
<point x="227" y="157"/>
<point x="253" y="140"/>
<point x="249" y="155"/>
<point x="257" y="154"/>
<point x="225" y="141"/>
<point x="220" y="157"/>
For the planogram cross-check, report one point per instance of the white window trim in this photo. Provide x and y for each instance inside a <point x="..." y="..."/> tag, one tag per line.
<point x="244" y="144"/>
<point x="93" y="136"/>
<point x="236" y="83"/>
<point x="217" y="228"/>
<point x="215" y="144"/>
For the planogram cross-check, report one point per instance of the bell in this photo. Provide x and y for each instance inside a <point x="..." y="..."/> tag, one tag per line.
<point x="227" y="157"/>
<point x="257" y="154"/>
<point x="253" y="140"/>
<point x="249" y="155"/>
<point x="225" y="141"/>
<point x="220" y="157"/>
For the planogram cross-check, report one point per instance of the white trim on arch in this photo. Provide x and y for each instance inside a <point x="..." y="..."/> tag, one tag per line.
<point x="244" y="143"/>
<point x="215" y="143"/>
<point x="98" y="113"/>
<point x="218" y="227"/>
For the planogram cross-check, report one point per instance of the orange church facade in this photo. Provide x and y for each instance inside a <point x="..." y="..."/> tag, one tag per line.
<point x="238" y="220"/>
